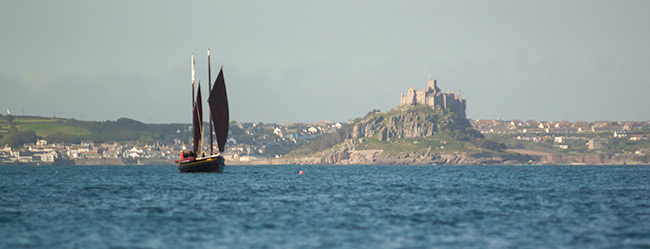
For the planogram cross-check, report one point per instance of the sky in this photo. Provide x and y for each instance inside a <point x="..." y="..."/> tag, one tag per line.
<point x="306" y="61"/>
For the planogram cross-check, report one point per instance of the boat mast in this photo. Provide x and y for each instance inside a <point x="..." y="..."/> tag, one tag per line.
<point x="193" y="105"/>
<point x="210" y="90"/>
<point x="192" y="67"/>
<point x="197" y="123"/>
<point x="192" y="80"/>
<point x="201" y="119"/>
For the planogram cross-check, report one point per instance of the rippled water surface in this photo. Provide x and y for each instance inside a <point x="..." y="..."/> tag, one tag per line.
<point x="326" y="207"/>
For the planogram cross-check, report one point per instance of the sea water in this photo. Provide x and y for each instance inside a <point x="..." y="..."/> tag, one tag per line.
<point x="325" y="207"/>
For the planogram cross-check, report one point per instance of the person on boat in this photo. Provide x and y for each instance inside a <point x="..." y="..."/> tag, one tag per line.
<point x="187" y="154"/>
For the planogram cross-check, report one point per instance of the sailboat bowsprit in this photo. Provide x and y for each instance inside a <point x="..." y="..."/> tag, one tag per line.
<point x="195" y="160"/>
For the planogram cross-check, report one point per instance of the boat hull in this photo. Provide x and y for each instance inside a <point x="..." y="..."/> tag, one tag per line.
<point x="203" y="165"/>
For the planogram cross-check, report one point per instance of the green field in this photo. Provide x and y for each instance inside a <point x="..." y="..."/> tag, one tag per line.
<point x="4" y="126"/>
<point x="439" y="143"/>
<point x="46" y="127"/>
<point x="56" y="130"/>
<point x="49" y="129"/>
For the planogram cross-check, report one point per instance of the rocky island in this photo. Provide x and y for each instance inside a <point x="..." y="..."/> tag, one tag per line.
<point x="428" y="127"/>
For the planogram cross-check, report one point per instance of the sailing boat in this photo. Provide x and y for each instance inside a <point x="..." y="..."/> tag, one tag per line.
<point x="196" y="160"/>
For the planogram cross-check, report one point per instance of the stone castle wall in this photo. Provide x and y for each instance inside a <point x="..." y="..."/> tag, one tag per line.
<point x="432" y="96"/>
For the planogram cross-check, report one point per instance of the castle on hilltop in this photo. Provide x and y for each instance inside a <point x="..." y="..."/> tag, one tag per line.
<point x="432" y="96"/>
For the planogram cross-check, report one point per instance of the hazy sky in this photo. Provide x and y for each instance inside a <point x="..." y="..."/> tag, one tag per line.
<point x="304" y="61"/>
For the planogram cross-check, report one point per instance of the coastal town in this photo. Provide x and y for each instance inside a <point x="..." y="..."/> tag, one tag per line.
<point x="249" y="142"/>
<point x="246" y="142"/>
<point x="630" y="137"/>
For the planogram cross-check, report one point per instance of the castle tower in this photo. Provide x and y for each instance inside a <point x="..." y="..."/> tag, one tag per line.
<point x="433" y="84"/>
<point x="444" y="101"/>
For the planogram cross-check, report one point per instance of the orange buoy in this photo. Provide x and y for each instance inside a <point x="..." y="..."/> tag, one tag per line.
<point x="300" y="172"/>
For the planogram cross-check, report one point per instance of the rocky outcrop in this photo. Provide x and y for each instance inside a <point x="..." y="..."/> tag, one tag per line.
<point x="600" y="159"/>
<point x="348" y="154"/>
<point x="408" y="122"/>
<point x="392" y="128"/>
<point x="336" y="155"/>
<point x="368" y="127"/>
<point x="575" y="159"/>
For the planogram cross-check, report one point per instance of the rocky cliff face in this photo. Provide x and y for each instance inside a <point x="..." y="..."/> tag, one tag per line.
<point x="408" y="122"/>
<point x="347" y="154"/>
<point x="617" y="159"/>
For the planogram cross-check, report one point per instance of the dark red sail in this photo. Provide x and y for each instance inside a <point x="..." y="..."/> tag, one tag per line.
<point x="218" y="101"/>
<point x="197" y="122"/>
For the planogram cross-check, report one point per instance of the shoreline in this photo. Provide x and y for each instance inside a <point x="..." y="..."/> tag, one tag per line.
<point x="449" y="159"/>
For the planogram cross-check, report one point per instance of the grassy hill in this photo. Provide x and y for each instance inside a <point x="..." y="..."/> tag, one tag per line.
<point x="16" y="130"/>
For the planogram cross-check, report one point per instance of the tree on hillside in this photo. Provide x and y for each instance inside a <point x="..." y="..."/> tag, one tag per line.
<point x="10" y="118"/>
<point x="17" y="138"/>
<point x="488" y="144"/>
